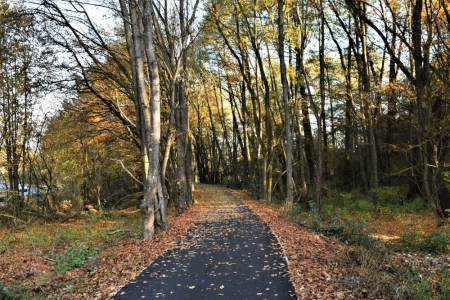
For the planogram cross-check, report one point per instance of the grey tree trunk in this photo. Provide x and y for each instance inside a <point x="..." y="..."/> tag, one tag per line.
<point x="287" y="121"/>
<point x="154" y="196"/>
<point x="138" y="19"/>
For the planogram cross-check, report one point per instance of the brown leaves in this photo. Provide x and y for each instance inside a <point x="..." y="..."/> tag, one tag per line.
<point x="114" y="267"/>
<point x="312" y="258"/>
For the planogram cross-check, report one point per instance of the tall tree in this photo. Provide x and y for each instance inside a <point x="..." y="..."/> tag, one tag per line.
<point x="81" y="37"/>
<point x="23" y="60"/>
<point x="287" y="111"/>
<point x="419" y="40"/>
<point x="154" y="201"/>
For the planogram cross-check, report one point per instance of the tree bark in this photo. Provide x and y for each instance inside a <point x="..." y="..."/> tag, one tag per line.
<point x="287" y="121"/>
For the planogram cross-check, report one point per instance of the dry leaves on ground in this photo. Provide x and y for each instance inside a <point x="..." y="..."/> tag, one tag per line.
<point x="312" y="258"/>
<point x="113" y="268"/>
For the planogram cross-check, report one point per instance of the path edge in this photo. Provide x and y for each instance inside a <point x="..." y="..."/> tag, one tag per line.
<point x="236" y="193"/>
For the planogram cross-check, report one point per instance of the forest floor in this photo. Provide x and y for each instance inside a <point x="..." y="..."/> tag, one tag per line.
<point x="34" y="258"/>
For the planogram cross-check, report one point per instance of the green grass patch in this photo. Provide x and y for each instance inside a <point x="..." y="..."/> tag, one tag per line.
<point x="87" y="229"/>
<point x="74" y="257"/>
<point x="382" y="202"/>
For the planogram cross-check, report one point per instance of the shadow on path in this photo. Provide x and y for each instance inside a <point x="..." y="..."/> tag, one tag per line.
<point x="232" y="255"/>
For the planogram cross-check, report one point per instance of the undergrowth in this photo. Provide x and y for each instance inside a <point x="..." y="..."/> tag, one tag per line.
<point x="5" y="295"/>
<point x="75" y="257"/>
<point x="68" y="245"/>
<point x="413" y="240"/>
<point x="88" y="229"/>
<point x="369" y="268"/>
<point x="421" y="285"/>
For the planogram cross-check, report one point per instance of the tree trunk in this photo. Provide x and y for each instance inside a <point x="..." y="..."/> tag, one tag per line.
<point x="287" y="121"/>
<point x="181" y="195"/>
<point x="308" y="136"/>
<point x="421" y="68"/>
<point x="154" y="201"/>
<point x="318" y="164"/>
<point x="322" y="88"/>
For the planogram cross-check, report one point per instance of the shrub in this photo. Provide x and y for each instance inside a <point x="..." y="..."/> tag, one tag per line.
<point x="232" y="182"/>
<point x="314" y="217"/>
<point x="365" y="270"/>
<point x="385" y="195"/>
<point x="74" y="257"/>
<point x="416" y="204"/>
<point x="365" y="205"/>
<point x="355" y="233"/>
<point x="444" y="283"/>
<point x="333" y="230"/>
<point x="330" y="212"/>
<point x="411" y="237"/>
<point x="436" y="242"/>
<point x="418" y="285"/>
<point x="5" y="295"/>
<point x="358" y="233"/>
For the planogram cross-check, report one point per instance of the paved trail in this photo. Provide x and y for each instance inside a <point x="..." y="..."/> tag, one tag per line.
<point x="232" y="255"/>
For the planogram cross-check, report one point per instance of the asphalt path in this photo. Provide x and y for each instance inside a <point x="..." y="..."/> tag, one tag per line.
<point x="233" y="255"/>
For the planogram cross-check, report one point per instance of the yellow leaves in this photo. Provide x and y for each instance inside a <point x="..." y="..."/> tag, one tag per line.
<point x="98" y="139"/>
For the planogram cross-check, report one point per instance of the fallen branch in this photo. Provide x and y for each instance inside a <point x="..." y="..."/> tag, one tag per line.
<point x="69" y="217"/>
<point x="12" y="217"/>
<point x="128" y="172"/>
<point x="119" y="230"/>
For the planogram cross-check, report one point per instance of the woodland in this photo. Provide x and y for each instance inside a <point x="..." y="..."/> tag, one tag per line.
<point x="335" y="114"/>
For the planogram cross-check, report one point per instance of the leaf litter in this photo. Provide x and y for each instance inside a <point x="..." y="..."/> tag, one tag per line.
<point x="230" y="254"/>
<point x="312" y="259"/>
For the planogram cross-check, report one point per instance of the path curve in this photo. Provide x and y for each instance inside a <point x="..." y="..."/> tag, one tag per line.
<point x="232" y="255"/>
